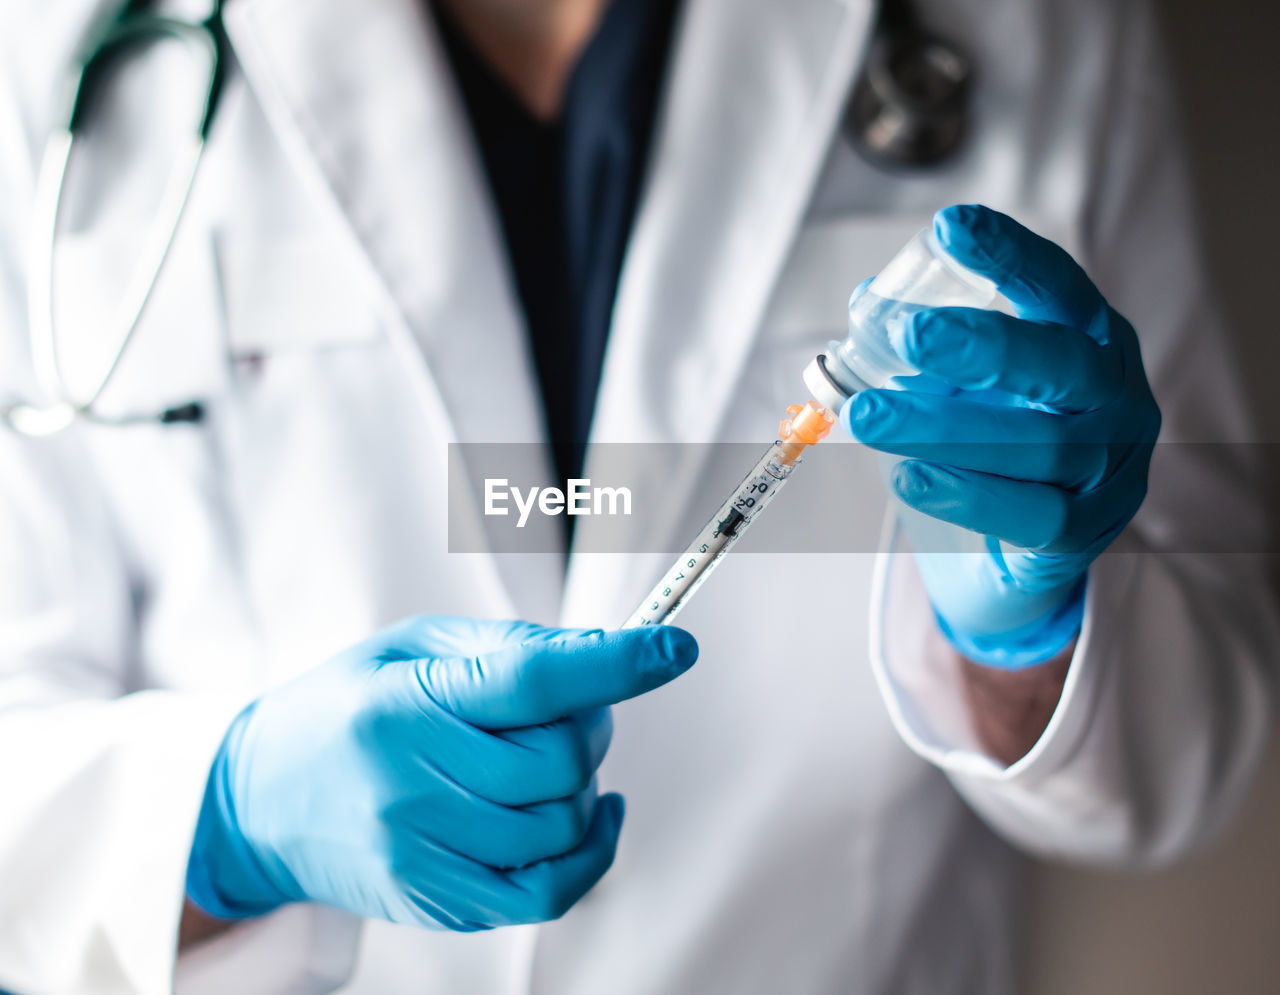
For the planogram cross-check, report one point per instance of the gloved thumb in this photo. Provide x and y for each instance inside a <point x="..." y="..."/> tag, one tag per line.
<point x="539" y="681"/>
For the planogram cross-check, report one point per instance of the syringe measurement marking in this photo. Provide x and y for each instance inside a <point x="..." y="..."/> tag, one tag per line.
<point x="733" y="518"/>
<point x="672" y="590"/>
<point x="805" y="425"/>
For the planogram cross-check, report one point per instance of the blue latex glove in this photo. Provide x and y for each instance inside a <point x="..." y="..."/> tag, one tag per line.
<point x="440" y="773"/>
<point x="1042" y="443"/>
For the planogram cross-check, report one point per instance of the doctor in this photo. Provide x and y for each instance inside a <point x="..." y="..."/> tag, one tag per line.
<point x="228" y="767"/>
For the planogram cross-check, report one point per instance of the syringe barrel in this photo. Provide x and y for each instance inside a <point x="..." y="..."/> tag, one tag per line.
<point x="713" y="541"/>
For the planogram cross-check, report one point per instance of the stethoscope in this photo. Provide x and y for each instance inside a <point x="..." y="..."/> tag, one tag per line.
<point x="909" y="109"/>
<point x="131" y="27"/>
<point x="910" y="106"/>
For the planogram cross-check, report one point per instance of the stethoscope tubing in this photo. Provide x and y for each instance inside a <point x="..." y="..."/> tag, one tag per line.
<point x="131" y="26"/>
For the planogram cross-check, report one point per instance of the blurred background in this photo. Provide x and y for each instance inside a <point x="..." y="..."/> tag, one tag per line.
<point x="1213" y="923"/>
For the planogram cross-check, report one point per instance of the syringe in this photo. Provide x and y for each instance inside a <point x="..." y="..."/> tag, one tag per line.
<point x="804" y="426"/>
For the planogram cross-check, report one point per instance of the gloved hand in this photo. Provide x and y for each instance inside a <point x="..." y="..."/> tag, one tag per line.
<point x="1042" y="442"/>
<point x="441" y="773"/>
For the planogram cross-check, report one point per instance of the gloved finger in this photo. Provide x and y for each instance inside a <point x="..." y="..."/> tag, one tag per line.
<point x="514" y="767"/>
<point x="548" y="889"/>
<point x="1039" y="277"/>
<point x="860" y="289"/>
<point x="433" y="886"/>
<point x="1044" y="362"/>
<point x="524" y="766"/>
<point x="554" y="828"/>
<point x="1032" y="516"/>
<point x="541" y="681"/>
<point x="1097" y="516"/>
<point x="1026" y="514"/>
<point x="497" y="835"/>
<point x="422" y="636"/>
<point x="919" y="381"/>
<point x="1020" y="443"/>
<point x="922" y="383"/>
<point x="537" y="763"/>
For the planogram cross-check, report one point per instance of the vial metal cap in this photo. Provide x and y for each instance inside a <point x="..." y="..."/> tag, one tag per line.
<point x="822" y="388"/>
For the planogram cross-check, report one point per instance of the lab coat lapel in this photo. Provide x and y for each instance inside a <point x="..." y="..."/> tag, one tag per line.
<point x="757" y="87"/>
<point x="361" y="95"/>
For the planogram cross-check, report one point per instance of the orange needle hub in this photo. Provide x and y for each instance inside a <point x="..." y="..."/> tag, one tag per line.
<point x="805" y="425"/>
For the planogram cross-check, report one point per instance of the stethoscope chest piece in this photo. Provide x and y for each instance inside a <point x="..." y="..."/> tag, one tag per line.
<point x="910" y="105"/>
<point x="35" y="422"/>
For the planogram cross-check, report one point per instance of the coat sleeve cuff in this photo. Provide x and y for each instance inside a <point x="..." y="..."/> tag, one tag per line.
<point x="102" y="799"/>
<point x="305" y="949"/>
<point x="919" y="678"/>
<point x="94" y="845"/>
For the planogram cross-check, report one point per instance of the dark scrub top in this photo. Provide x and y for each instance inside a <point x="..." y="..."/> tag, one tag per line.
<point x="566" y="193"/>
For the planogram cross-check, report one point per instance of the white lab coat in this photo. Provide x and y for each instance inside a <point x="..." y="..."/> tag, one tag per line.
<point x="797" y="816"/>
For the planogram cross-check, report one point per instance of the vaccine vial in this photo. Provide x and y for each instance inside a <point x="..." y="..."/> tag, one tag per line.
<point x="922" y="275"/>
<point x="956" y="563"/>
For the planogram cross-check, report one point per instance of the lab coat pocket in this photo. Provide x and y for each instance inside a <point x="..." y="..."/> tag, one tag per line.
<point x="175" y="354"/>
<point x="291" y="294"/>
